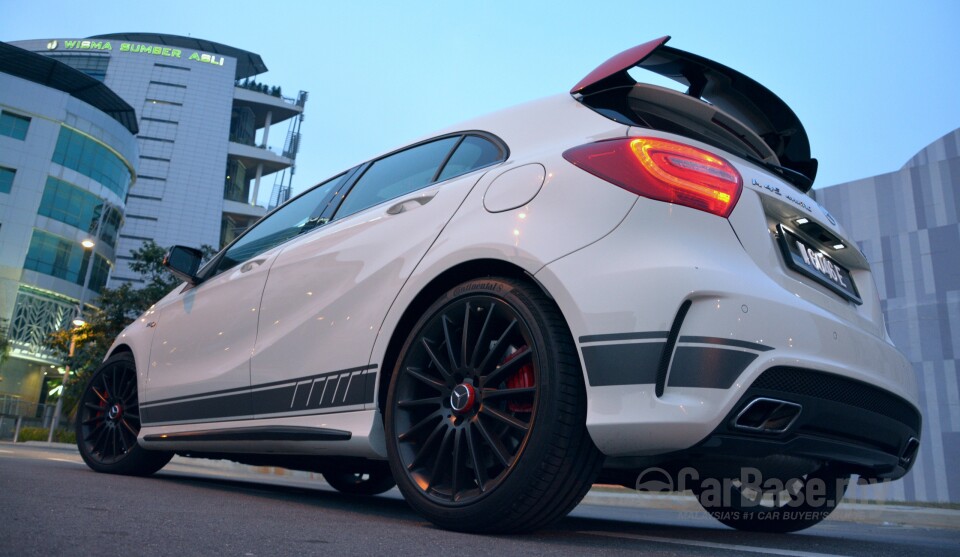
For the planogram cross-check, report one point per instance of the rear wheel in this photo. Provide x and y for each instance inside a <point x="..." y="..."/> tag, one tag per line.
<point x="108" y="422"/>
<point x="485" y="416"/>
<point x="775" y="505"/>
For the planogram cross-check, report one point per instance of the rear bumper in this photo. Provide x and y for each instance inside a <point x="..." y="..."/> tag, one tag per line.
<point x="675" y="324"/>
<point x="871" y="432"/>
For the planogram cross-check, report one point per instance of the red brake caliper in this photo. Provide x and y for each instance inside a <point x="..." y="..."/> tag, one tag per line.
<point x="521" y="379"/>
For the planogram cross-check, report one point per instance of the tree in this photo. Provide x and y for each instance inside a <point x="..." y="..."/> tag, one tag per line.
<point x="117" y="308"/>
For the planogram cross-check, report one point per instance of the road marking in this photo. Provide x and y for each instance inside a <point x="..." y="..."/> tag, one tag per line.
<point x="713" y="545"/>
<point x="65" y="460"/>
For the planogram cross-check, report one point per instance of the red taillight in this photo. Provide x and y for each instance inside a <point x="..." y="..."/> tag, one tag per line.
<point x="664" y="170"/>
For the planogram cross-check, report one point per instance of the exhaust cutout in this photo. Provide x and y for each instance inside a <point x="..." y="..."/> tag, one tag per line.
<point x="767" y="415"/>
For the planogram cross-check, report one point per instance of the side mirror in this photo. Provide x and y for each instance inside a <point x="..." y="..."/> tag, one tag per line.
<point x="184" y="263"/>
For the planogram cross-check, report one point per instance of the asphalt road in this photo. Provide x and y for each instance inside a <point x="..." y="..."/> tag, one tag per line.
<point x="52" y="504"/>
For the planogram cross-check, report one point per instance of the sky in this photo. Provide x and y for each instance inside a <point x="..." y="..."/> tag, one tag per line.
<point x="872" y="81"/>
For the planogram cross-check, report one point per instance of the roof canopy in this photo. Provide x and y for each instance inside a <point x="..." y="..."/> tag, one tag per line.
<point x="57" y="75"/>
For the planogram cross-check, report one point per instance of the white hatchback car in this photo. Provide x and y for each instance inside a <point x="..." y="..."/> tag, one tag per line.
<point x="624" y="284"/>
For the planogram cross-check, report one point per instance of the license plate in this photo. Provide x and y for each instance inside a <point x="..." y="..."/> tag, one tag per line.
<point x="803" y="257"/>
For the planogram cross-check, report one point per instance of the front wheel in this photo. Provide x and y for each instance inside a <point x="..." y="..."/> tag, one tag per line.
<point x="108" y="422"/>
<point x="486" y="412"/>
<point x="774" y="505"/>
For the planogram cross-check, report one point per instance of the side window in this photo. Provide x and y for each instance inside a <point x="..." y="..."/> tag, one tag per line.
<point x="397" y="174"/>
<point x="300" y="215"/>
<point x="473" y="153"/>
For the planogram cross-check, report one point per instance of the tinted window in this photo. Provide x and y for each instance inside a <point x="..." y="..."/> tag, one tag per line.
<point x="396" y="175"/>
<point x="300" y="215"/>
<point x="14" y="125"/>
<point x="473" y="153"/>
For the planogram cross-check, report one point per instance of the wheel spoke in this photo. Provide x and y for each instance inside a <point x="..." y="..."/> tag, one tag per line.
<point x="455" y="465"/>
<point x="505" y="418"/>
<point x="98" y="429"/>
<point x="489" y="394"/>
<point x="425" y="447"/>
<point x="100" y="396"/>
<point x="498" y="348"/>
<point x="447" y="340"/>
<point x="130" y="429"/>
<point x="431" y="401"/>
<point x="417" y="374"/>
<point x="94" y="420"/>
<point x="465" y="335"/>
<point x="436" y="475"/>
<point x="436" y="362"/>
<point x="419" y="425"/>
<point x="482" y="336"/>
<point x="498" y="450"/>
<point x="93" y="406"/>
<point x="479" y="472"/>
<point x="503" y="372"/>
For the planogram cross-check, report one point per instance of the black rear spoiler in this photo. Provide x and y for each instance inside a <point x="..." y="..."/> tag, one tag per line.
<point x="727" y="89"/>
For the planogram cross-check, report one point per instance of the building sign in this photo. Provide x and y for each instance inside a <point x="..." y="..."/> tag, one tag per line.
<point x="137" y="48"/>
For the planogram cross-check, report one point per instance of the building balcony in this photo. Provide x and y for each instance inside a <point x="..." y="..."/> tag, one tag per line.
<point x="252" y="156"/>
<point x="267" y="109"/>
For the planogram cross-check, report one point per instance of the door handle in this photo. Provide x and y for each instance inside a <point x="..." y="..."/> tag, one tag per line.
<point x="410" y="204"/>
<point x="251" y="265"/>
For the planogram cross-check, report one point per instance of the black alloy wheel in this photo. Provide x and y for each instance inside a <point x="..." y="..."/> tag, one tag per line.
<point x="108" y="422"/>
<point x="485" y="415"/>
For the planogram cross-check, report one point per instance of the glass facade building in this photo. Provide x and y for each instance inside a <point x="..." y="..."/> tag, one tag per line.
<point x="206" y="150"/>
<point x="68" y="156"/>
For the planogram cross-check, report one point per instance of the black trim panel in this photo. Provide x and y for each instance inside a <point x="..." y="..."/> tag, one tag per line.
<point x="347" y="387"/>
<point x="624" y="336"/>
<point x="622" y="364"/>
<point x="218" y="407"/>
<point x="265" y="433"/>
<point x="726" y="342"/>
<point x="707" y="368"/>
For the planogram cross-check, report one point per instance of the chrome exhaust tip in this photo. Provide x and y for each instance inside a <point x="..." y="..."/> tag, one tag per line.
<point x="767" y="415"/>
<point x="909" y="452"/>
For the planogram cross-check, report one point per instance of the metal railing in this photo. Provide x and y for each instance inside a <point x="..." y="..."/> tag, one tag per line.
<point x="16" y="414"/>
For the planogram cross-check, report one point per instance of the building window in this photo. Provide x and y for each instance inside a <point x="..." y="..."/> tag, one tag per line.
<point x="94" y="65"/>
<point x="92" y="159"/>
<point x="14" y="125"/>
<point x="59" y="257"/>
<point x="55" y="256"/>
<point x="6" y="179"/>
<point x="64" y="202"/>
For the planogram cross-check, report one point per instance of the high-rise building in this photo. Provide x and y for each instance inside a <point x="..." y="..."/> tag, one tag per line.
<point x="907" y="224"/>
<point x="206" y="147"/>
<point x="68" y="156"/>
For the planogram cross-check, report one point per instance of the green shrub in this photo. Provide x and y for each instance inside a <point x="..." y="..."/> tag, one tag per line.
<point x="42" y="433"/>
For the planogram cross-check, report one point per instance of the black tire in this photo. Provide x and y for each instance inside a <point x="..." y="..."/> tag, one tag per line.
<point x="374" y="481"/>
<point x="108" y="422"/>
<point x="780" y="506"/>
<point x="511" y="453"/>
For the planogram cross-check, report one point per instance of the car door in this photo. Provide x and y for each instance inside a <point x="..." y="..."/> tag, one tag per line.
<point x="200" y="354"/>
<point x="328" y="293"/>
